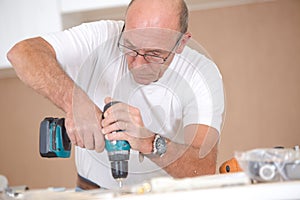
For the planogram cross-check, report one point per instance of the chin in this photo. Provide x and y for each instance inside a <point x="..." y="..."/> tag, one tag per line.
<point x="143" y="82"/>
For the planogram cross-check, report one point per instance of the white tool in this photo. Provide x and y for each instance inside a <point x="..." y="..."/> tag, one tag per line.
<point x="3" y="183"/>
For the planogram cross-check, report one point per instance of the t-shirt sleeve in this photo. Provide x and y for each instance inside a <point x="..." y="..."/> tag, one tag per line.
<point x="206" y="104"/>
<point x="74" y="45"/>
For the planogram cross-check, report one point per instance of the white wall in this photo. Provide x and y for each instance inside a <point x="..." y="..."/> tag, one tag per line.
<point x="22" y="19"/>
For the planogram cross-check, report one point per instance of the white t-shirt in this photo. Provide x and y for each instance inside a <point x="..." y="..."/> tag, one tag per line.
<point x="190" y="92"/>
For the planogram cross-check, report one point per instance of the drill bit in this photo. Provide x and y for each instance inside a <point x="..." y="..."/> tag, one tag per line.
<point x="120" y="183"/>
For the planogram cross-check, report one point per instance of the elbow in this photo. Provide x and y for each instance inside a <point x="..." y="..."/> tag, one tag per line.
<point x="28" y="52"/>
<point x="11" y="54"/>
<point x="15" y="54"/>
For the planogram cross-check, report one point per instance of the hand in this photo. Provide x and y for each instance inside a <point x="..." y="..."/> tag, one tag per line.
<point x="83" y="122"/>
<point x="124" y="117"/>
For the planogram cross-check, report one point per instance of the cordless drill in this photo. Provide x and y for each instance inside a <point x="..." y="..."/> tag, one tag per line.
<point x="118" y="153"/>
<point x="54" y="142"/>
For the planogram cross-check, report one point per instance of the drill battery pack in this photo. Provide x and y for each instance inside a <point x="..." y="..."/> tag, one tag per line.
<point x="54" y="140"/>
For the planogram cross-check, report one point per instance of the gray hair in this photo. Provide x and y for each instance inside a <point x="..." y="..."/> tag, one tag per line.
<point x="183" y="15"/>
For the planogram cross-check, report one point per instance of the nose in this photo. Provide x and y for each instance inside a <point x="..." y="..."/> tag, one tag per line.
<point x="139" y="60"/>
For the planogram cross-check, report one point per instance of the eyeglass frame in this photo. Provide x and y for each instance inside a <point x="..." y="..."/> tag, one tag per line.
<point x="144" y="55"/>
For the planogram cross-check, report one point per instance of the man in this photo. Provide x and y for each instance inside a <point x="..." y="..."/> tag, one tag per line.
<point x="167" y="92"/>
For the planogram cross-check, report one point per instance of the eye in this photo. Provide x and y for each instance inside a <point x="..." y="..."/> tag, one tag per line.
<point x="155" y="53"/>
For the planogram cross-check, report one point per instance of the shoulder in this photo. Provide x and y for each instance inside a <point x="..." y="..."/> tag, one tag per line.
<point x="89" y="33"/>
<point x="104" y="28"/>
<point x="195" y="57"/>
<point x="195" y="61"/>
<point x="103" y="24"/>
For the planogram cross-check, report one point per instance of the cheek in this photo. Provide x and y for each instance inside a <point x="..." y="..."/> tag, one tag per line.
<point x="130" y="61"/>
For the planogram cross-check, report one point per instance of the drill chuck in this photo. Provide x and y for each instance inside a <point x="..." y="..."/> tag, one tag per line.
<point x="119" y="168"/>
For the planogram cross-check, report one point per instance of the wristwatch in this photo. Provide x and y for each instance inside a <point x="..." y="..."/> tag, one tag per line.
<point x="159" y="145"/>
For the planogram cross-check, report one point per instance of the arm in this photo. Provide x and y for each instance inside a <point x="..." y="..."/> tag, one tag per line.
<point x="197" y="157"/>
<point x="35" y="63"/>
<point x="180" y="160"/>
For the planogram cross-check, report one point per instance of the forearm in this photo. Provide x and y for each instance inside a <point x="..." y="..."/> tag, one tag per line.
<point x="183" y="161"/>
<point x="35" y="63"/>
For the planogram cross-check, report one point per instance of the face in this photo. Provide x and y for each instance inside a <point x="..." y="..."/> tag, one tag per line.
<point x="149" y="52"/>
<point x="150" y="40"/>
<point x="145" y="72"/>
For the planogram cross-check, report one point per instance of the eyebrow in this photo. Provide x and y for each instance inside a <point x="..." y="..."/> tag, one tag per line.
<point x="126" y="41"/>
<point x="160" y="51"/>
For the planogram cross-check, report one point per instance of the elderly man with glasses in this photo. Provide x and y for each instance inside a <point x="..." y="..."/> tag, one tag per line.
<point x="166" y="90"/>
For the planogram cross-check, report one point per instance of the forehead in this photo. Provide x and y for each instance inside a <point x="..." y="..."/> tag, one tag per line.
<point x="152" y="38"/>
<point x="153" y="13"/>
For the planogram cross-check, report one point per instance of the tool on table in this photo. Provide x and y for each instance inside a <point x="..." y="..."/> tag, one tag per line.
<point x="118" y="153"/>
<point x="230" y="166"/>
<point x="3" y="183"/>
<point x="271" y="164"/>
<point x="54" y="140"/>
<point x="170" y="184"/>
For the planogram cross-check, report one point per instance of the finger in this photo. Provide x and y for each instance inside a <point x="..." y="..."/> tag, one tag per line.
<point x="71" y="131"/>
<point x="117" y="126"/>
<point x="79" y="136"/>
<point x="107" y="100"/>
<point x="72" y="137"/>
<point x="80" y="141"/>
<point x="121" y="135"/>
<point x="114" y="114"/>
<point x="89" y="136"/>
<point x="115" y="105"/>
<point x="124" y="112"/>
<point x="89" y="142"/>
<point x="99" y="142"/>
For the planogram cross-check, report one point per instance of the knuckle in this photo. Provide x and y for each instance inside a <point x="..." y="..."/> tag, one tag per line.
<point x="90" y="147"/>
<point x="118" y="125"/>
<point x="99" y="148"/>
<point x="136" y="111"/>
<point x="80" y="144"/>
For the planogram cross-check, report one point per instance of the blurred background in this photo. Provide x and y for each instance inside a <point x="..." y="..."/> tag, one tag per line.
<point x="255" y="43"/>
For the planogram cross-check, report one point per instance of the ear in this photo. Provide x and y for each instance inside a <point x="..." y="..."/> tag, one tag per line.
<point x="183" y="42"/>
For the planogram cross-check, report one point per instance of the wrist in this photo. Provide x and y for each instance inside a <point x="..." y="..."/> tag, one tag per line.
<point x="158" y="146"/>
<point x="147" y="148"/>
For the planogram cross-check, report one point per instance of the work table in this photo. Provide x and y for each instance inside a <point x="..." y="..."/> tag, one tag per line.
<point x="246" y="190"/>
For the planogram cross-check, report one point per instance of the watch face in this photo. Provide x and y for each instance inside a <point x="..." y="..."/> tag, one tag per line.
<point x="161" y="145"/>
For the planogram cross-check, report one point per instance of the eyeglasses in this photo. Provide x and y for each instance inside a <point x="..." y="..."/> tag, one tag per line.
<point x="149" y="57"/>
